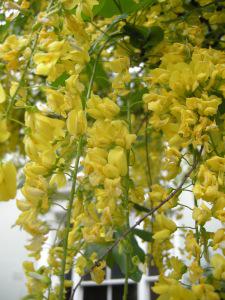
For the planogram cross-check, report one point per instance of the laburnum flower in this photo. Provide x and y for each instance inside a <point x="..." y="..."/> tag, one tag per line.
<point x="164" y="227"/>
<point x="205" y="292"/>
<point x="99" y="108"/>
<point x="205" y="106"/>
<point x="81" y="264"/>
<point x="178" y="267"/>
<point x="172" y="163"/>
<point x="11" y="49"/>
<point x="56" y="102"/>
<point x="2" y="94"/>
<point x="58" y="180"/>
<point x="216" y="164"/>
<point x="119" y="64"/>
<point x="76" y="123"/>
<point x="218" y="264"/>
<point x="37" y="279"/>
<point x="201" y="214"/>
<point x="219" y="238"/>
<point x="170" y="289"/>
<point x="7" y="181"/>
<point x="105" y="133"/>
<point x="195" y="271"/>
<point x="117" y="158"/>
<point x="4" y="132"/>
<point x="97" y="273"/>
<point x="191" y="245"/>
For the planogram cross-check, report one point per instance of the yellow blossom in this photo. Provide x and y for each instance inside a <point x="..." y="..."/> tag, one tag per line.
<point x="58" y="180"/>
<point x="76" y="123"/>
<point x="205" y="292"/>
<point x="101" y="108"/>
<point x="195" y="271"/>
<point x="117" y="158"/>
<point x="218" y="264"/>
<point x="191" y="245"/>
<point x="201" y="214"/>
<point x="7" y="181"/>
<point x="4" y="133"/>
<point x="2" y="94"/>
<point x="98" y="274"/>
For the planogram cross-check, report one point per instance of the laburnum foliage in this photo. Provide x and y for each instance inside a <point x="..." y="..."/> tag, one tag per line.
<point x="114" y="109"/>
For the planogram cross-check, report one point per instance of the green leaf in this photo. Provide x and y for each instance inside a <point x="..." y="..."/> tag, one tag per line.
<point x="110" y="261"/>
<point x="156" y="35"/>
<point x="129" y="248"/>
<point x="60" y="81"/>
<point x="120" y="258"/>
<point x="101" y="77"/>
<point x="137" y="250"/>
<point x="140" y="207"/>
<point x="108" y="8"/>
<point x="99" y="248"/>
<point x="138" y="34"/>
<point x="143" y="234"/>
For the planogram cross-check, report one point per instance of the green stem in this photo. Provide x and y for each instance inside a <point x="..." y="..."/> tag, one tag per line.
<point x="183" y="205"/>
<point x="94" y="69"/>
<point x="68" y="217"/>
<point x="149" y="176"/>
<point x="125" y="291"/>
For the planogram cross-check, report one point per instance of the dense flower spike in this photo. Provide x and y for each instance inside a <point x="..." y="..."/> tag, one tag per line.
<point x="105" y="107"/>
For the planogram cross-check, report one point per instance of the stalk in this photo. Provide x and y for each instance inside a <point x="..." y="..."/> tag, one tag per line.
<point x="68" y="217"/>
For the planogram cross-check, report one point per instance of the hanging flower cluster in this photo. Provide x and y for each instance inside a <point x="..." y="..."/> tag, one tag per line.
<point x="112" y="111"/>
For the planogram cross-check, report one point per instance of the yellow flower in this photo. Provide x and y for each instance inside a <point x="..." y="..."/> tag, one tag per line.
<point x="2" y="94"/>
<point x="117" y="157"/>
<point x="170" y="289"/>
<point x="56" y="101"/>
<point x="101" y="108"/>
<point x="7" y="181"/>
<point x="106" y="132"/>
<point x="98" y="274"/>
<point x="119" y="64"/>
<point x="218" y="264"/>
<point x="201" y="214"/>
<point x="58" y="180"/>
<point x="216" y="163"/>
<point x="81" y="264"/>
<point x="164" y="227"/>
<point x="4" y="133"/>
<point x="45" y="62"/>
<point x="219" y="237"/>
<point x="162" y="235"/>
<point x="205" y="106"/>
<point x="76" y="123"/>
<point x="205" y="292"/>
<point x="195" y="271"/>
<point x="178" y="267"/>
<point x="191" y="245"/>
<point x="25" y="4"/>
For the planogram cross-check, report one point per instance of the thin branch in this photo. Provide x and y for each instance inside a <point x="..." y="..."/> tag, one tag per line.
<point x="183" y="205"/>
<point x="149" y="175"/>
<point x="68" y="217"/>
<point x="126" y="232"/>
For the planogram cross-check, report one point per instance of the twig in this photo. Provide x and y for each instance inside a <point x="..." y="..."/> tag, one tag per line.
<point x="68" y="216"/>
<point x="126" y="232"/>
